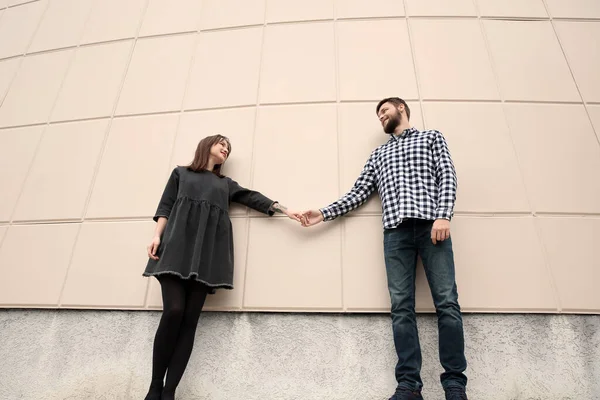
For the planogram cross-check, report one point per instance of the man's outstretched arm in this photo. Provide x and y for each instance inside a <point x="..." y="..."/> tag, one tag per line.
<point x="360" y="192"/>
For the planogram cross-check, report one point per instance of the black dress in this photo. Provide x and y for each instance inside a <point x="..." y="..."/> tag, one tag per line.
<point x="197" y="242"/>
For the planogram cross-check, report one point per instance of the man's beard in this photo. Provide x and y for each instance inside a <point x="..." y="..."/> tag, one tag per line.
<point x="393" y="123"/>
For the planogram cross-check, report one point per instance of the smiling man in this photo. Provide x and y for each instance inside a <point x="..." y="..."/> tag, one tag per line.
<point x="415" y="178"/>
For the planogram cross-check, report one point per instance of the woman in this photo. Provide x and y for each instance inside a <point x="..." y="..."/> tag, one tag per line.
<point x="191" y="253"/>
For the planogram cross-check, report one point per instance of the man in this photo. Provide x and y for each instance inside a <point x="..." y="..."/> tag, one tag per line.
<point x="415" y="178"/>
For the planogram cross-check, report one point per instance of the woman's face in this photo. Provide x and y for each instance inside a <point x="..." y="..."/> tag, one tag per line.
<point x="220" y="151"/>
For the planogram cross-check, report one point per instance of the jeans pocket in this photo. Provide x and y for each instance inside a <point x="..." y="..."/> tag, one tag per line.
<point x="396" y="236"/>
<point x="389" y="240"/>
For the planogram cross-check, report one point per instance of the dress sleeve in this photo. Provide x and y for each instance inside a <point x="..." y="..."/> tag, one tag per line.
<point x="168" y="197"/>
<point x="249" y="198"/>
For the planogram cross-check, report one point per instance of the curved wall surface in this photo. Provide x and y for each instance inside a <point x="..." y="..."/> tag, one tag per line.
<point x="102" y="98"/>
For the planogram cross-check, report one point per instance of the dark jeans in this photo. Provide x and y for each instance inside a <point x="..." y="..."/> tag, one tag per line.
<point x="402" y="245"/>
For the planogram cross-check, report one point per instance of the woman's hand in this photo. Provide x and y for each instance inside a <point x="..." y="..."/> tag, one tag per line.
<point x="278" y="208"/>
<point x="296" y="216"/>
<point x="153" y="248"/>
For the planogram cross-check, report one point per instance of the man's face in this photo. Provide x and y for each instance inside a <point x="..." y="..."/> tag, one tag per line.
<point x="390" y="117"/>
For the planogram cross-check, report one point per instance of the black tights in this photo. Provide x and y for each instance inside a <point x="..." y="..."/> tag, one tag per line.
<point x="182" y="303"/>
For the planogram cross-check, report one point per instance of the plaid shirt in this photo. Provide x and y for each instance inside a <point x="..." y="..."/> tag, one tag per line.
<point x="414" y="176"/>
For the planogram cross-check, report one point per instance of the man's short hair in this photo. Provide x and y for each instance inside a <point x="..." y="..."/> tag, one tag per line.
<point x="395" y="101"/>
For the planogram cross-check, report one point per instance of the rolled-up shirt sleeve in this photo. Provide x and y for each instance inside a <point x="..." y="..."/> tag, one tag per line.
<point x="445" y="177"/>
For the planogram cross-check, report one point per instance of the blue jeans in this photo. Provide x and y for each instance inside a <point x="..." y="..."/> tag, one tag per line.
<point x="402" y="245"/>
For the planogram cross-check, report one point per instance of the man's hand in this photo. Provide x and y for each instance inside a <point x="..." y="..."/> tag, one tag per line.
<point x="311" y="217"/>
<point x="440" y="230"/>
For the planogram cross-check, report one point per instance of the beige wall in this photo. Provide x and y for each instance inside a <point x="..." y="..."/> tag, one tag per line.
<point x="101" y="98"/>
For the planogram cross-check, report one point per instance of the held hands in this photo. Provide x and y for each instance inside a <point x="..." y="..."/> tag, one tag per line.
<point x="296" y="216"/>
<point x="306" y="218"/>
<point x="278" y="208"/>
<point x="311" y="217"/>
<point x="440" y="230"/>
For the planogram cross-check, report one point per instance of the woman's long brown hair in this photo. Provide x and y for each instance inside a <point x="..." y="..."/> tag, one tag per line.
<point x="203" y="153"/>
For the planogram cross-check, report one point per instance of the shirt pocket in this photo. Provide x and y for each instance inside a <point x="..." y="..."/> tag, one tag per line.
<point x="419" y="155"/>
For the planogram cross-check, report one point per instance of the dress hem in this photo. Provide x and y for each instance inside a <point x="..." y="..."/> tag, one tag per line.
<point x="194" y="276"/>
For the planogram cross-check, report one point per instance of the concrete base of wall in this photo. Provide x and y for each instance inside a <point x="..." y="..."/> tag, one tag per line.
<point x="61" y="354"/>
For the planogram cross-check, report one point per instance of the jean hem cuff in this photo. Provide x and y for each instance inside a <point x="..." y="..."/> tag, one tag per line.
<point x="451" y="385"/>
<point x="407" y="387"/>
